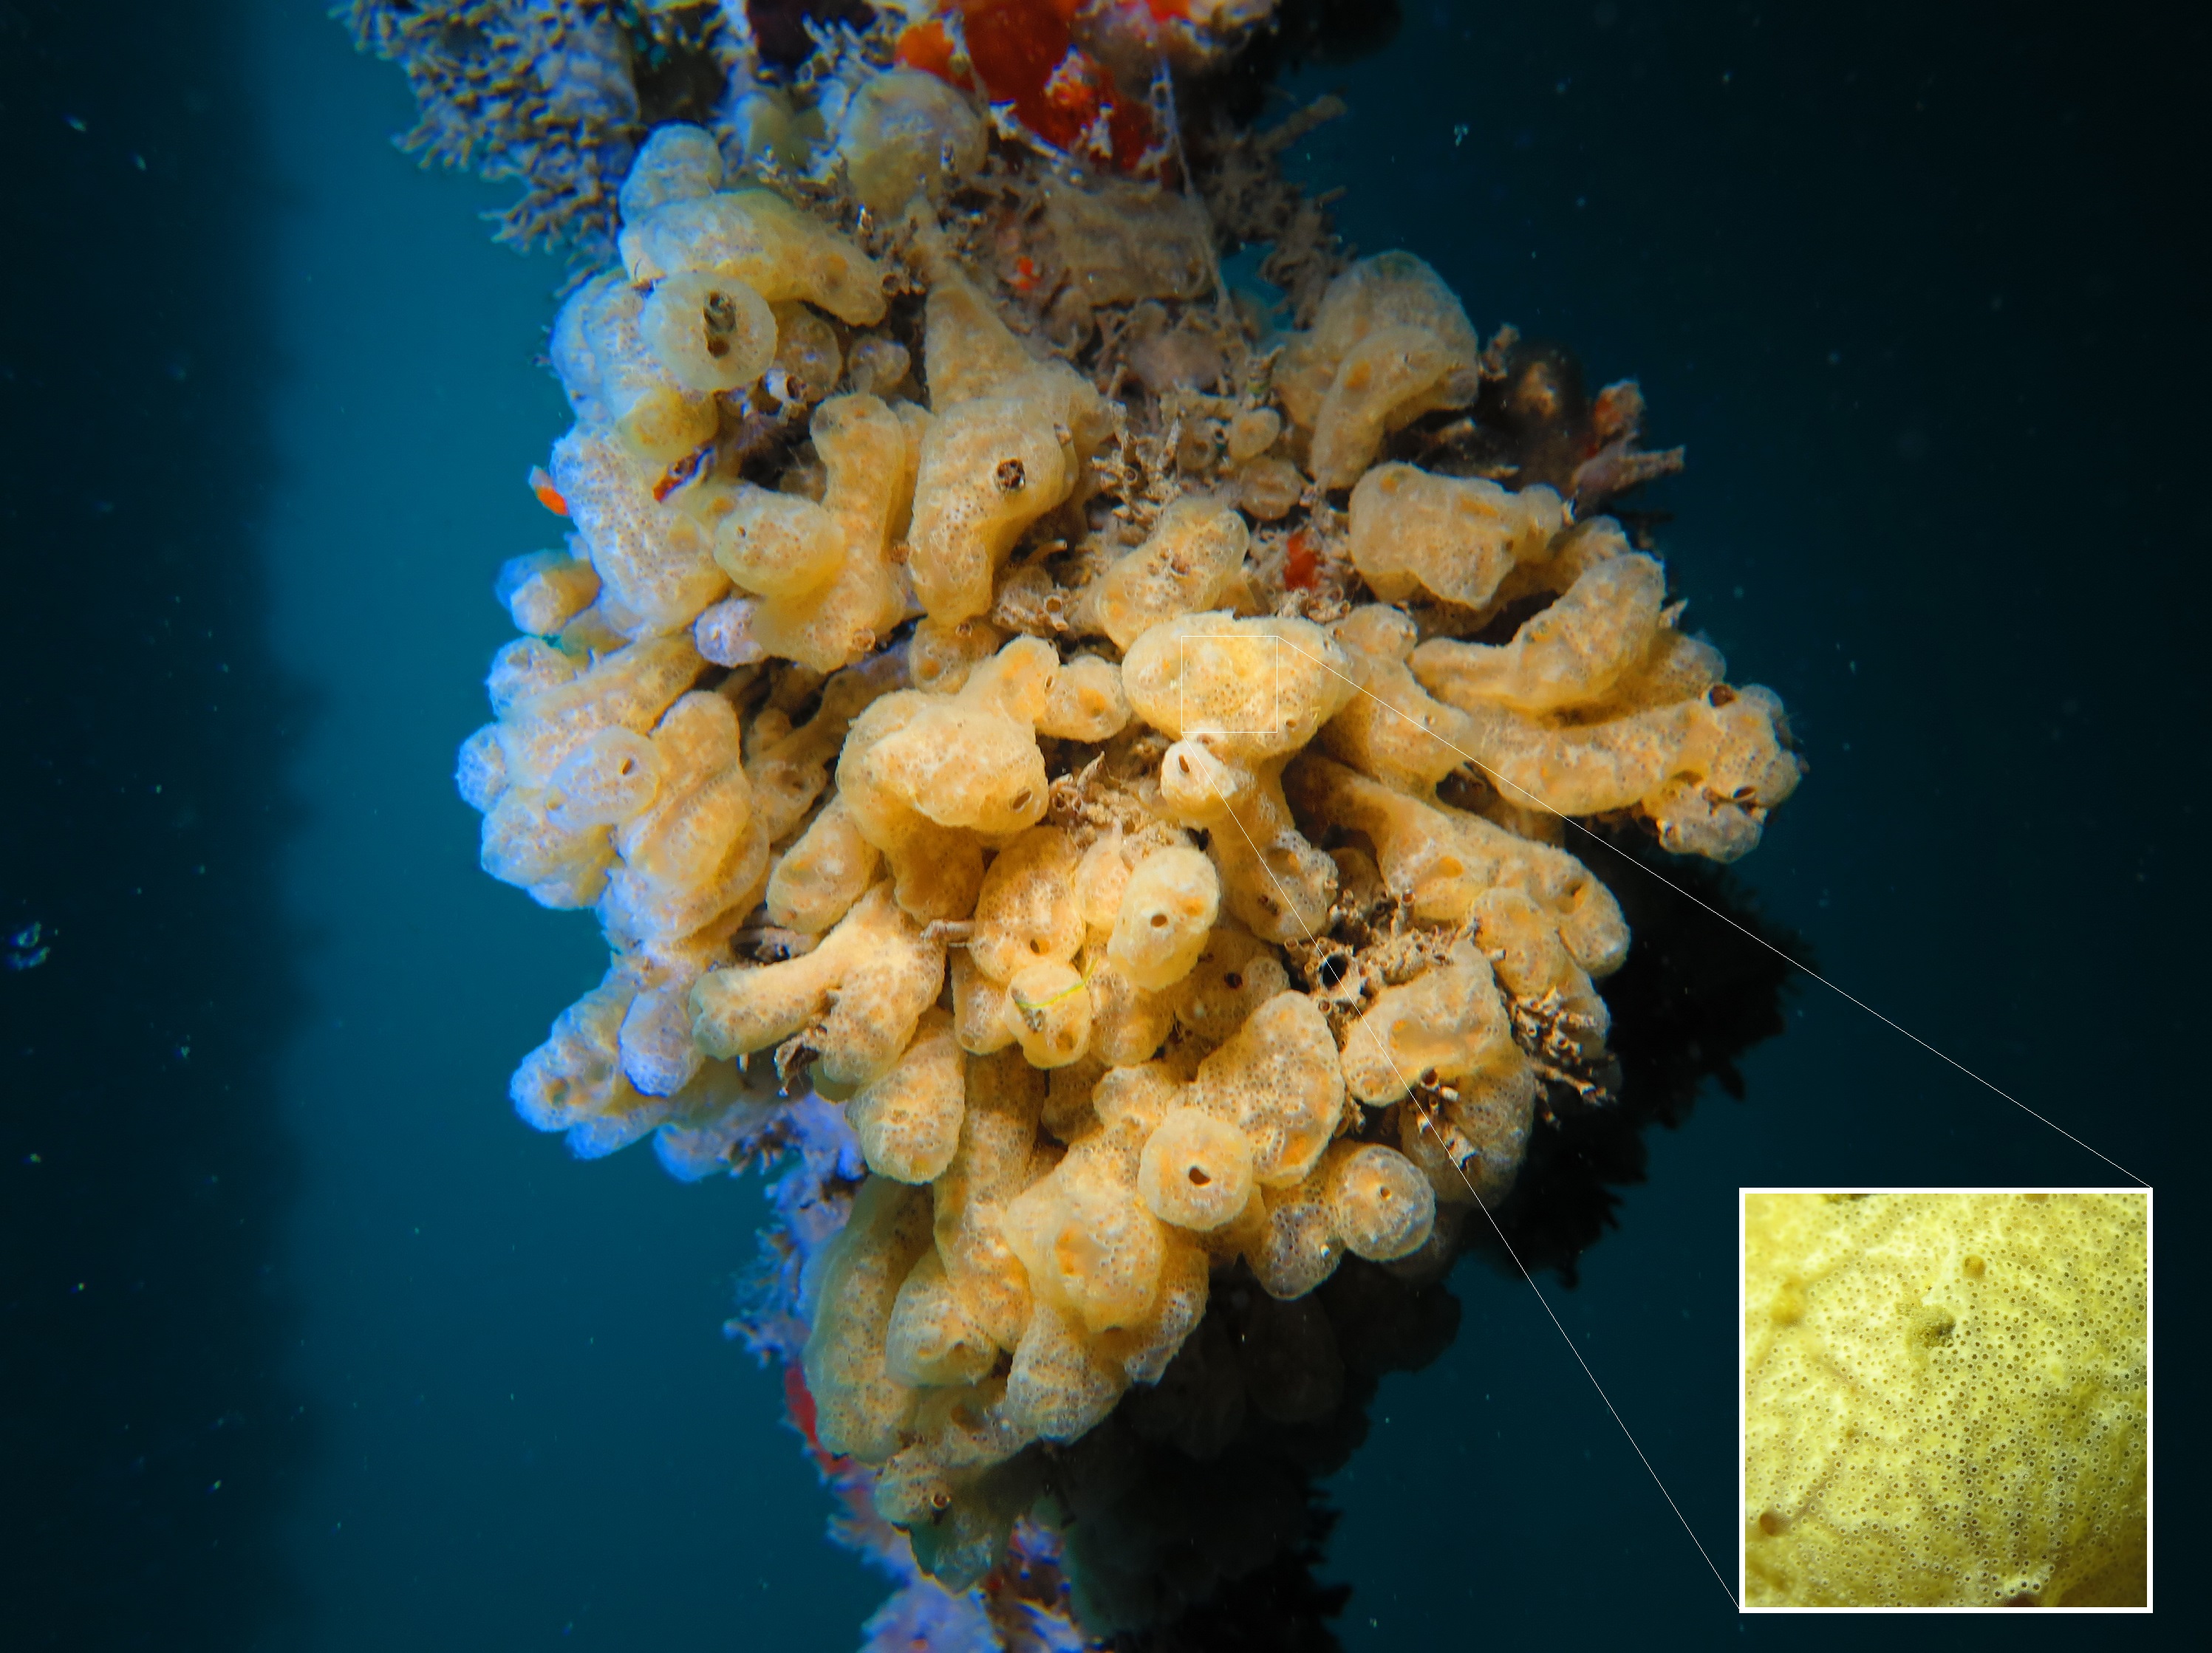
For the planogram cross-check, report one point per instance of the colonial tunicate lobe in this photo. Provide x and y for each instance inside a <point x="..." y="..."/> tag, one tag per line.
<point x="904" y="133"/>
<point x="1166" y="911"/>
<point x="710" y="331"/>
<point x="1390" y="342"/>
<point x="1192" y="561"/>
<point x="1196" y="1170"/>
<point x="773" y="245"/>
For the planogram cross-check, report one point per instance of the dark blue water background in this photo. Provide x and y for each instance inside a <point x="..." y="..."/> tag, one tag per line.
<point x="307" y="1343"/>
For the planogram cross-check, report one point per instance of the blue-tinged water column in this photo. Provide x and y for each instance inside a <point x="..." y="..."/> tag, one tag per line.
<point x="149" y="1439"/>
<point x="531" y="1431"/>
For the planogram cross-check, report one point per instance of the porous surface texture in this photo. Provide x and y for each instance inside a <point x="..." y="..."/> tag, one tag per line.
<point x="1945" y="1399"/>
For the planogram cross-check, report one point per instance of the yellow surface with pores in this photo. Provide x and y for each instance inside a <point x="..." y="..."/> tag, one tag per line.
<point x="1945" y="1399"/>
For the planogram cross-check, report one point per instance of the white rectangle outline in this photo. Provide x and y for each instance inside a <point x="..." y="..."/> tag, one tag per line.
<point x="2150" y="1395"/>
<point x="1275" y="692"/>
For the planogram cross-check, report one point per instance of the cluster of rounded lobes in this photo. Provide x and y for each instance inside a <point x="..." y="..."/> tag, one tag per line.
<point x="1946" y="1400"/>
<point x="1076" y="1062"/>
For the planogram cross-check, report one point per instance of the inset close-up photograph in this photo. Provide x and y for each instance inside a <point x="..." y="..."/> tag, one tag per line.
<point x="1946" y="1399"/>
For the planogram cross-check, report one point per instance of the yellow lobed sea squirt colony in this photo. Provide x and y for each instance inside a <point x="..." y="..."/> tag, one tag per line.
<point x="997" y="683"/>
<point x="1946" y="1400"/>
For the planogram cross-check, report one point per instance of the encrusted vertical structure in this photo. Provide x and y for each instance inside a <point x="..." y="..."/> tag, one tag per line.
<point x="1081" y="758"/>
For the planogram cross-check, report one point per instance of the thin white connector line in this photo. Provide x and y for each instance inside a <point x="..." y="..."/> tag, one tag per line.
<point x="1498" y="780"/>
<point x="1429" y="1123"/>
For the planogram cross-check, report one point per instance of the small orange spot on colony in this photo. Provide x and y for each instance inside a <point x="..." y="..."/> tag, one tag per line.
<point x="548" y="495"/>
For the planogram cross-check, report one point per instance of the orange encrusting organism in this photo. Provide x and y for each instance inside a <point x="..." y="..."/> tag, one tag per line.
<point x="1023" y="53"/>
<point x="548" y="495"/>
<point x="928" y="47"/>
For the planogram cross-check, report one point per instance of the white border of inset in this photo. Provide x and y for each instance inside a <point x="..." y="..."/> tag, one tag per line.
<point x="1274" y="688"/>
<point x="2150" y="1396"/>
